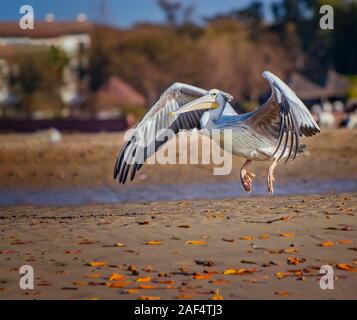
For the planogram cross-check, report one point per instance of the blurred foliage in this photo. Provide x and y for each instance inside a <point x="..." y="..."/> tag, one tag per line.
<point x="38" y="79"/>
<point x="319" y="49"/>
<point x="151" y="57"/>
<point x="352" y="91"/>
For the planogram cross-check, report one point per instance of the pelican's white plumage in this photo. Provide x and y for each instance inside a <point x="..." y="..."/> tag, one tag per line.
<point x="272" y="131"/>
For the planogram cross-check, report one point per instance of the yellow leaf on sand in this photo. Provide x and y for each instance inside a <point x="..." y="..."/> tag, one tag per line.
<point x="287" y="234"/>
<point x="327" y="244"/>
<point x="116" y="277"/>
<point x="149" y="298"/>
<point x="281" y="293"/>
<point x="264" y="236"/>
<point x="93" y="298"/>
<point x="249" y="238"/>
<point x="119" y="244"/>
<point x="196" y="242"/>
<point x="281" y="275"/>
<point x="217" y="296"/>
<point x="238" y="271"/>
<point x="144" y="279"/>
<point x="346" y="267"/>
<point x="98" y="264"/>
<point x="153" y="242"/>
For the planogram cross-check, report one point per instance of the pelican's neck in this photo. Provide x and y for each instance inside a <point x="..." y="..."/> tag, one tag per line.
<point x="209" y="117"/>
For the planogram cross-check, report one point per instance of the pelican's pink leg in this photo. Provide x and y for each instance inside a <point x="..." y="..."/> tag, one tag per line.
<point x="270" y="177"/>
<point x="246" y="177"/>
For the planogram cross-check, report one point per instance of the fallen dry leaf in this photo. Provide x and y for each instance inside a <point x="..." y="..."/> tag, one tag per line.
<point x="196" y="242"/>
<point x="98" y="264"/>
<point x="239" y="271"/>
<point x="93" y="275"/>
<point x="295" y="260"/>
<point x="346" y="267"/>
<point x="80" y="283"/>
<point x="147" y="286"/>
<point x="149" y="298"/>
<point x="116" y="277"/>
<point x="249" y="238"/>
<point x="133" y="290"/>
<point x="144" y="279"/>
<point x="345" y="241"/>
<point x="120" y="245"/>
<point x="217" y="296"/>
<point x="281" y="293"/>
<point x="199" y="276"/>
<point x="287" y="234"/>
<point x="264" y="236"/>
<point x="228" y="240"/>
<point x="184" y="297"/>
<point x="327" y="244"/>
<point x="281" y="275"/>
<point x="220" y="281"/>
<point x="118" y="284"/>
<point x="153" y="242"/>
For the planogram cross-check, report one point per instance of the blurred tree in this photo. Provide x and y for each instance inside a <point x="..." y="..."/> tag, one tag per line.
<point x="320" y="49"/>
<point x="39" y="79"/>
<point x="171" y="9"/>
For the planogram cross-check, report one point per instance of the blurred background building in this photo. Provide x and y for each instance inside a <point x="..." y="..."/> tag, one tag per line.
<point x="86" y="68"/>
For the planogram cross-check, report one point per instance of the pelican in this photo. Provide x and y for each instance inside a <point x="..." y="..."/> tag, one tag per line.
<point x="271" y="132"/>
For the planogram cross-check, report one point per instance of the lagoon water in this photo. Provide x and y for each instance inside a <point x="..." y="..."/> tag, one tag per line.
<point x="120" y="194"/>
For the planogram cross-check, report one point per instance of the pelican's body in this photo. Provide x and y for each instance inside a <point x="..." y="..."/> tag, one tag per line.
<point x="271" y="132"/>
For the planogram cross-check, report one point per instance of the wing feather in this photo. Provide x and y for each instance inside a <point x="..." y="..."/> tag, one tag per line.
<point x="284" y="107"/>
<point x="156" y="128"/>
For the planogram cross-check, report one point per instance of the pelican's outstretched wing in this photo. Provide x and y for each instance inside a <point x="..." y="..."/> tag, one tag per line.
<point x="283" y="118"/>
<point x="157" y="127"/>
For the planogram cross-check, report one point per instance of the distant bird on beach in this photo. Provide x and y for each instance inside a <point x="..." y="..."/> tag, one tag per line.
<point x="269" y="133"/>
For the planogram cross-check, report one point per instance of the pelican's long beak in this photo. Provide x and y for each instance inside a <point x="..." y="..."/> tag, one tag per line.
<point x="205" y="102"/>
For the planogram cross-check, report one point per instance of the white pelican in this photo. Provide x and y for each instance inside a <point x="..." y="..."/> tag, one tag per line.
<point x="269" y="133"/>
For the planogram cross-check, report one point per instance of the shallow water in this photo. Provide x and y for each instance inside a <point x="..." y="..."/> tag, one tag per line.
<point x="108" y="195"/>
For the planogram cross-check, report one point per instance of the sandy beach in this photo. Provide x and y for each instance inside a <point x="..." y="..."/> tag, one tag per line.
<point x="243" y="248"/>
<point x="183" y="250"/>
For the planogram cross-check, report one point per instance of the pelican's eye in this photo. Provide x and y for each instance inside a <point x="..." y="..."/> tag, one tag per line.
<point x="214" y="94"/>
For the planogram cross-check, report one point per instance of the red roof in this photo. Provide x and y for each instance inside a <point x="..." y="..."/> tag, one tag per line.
<point x="117" y="92"/>
<point x="43" y="29"/>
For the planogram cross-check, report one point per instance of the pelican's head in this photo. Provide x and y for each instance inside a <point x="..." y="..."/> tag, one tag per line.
<point x="213" y="99"/>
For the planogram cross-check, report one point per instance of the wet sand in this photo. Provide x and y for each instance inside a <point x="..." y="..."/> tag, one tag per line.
<point x="274" y="246"/>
